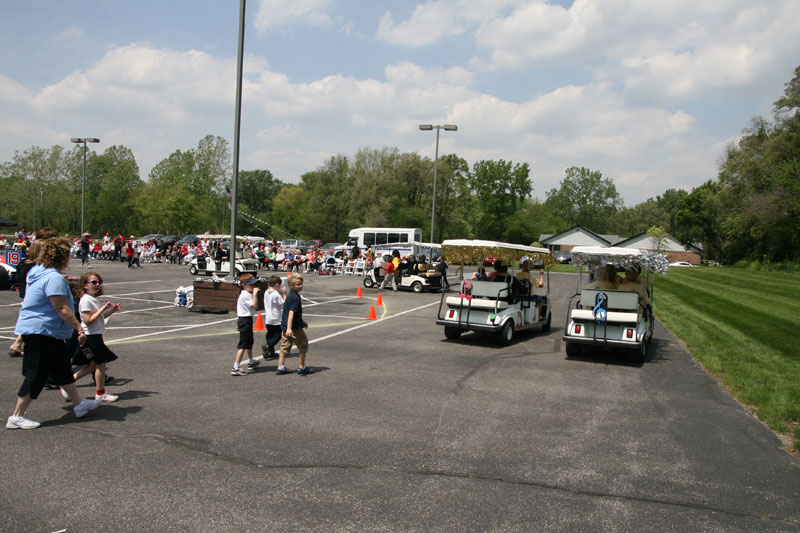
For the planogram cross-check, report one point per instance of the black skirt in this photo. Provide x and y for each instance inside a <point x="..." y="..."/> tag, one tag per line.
<point x="94" y="351"/>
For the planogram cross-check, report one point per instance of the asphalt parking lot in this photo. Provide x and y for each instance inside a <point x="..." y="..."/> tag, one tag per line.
<point x="398" y="429"/>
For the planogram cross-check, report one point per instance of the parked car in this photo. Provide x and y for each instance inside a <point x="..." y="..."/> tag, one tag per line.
<point x="563" y="257"/>
<point x="329" y="246"/>
<point x="167" y="240"/>
<point x="152" y="237"/>
<point x="296" y="245"/>
<point x="314" y="243"/>
<point x="188" y="239"/>
<point x="681" y="264"/>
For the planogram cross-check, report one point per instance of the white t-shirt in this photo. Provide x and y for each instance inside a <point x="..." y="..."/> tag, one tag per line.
<point x="273" y="308"/>
<point x="244" y="305"/>
<point x="91" y="304"/>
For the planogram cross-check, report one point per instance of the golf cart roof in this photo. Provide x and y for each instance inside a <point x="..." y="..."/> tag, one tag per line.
<point x="592" y="256"/>
<point x="470" y="251"/>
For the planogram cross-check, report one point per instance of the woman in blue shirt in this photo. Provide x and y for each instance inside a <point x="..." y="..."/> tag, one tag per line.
<point x="46" y="320"/>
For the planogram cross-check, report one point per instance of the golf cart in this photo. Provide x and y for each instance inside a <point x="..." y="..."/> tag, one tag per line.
<point x="621" y="317"/>
<point x="503" y="305"/>
<point x="208" y="266"/>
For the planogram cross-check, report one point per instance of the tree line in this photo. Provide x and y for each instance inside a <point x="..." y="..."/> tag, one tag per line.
<point x="749" y="211"/>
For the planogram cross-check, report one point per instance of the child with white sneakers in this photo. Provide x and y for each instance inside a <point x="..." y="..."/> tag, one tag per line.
<point x="245" y="310"/>
<point x="273" y="307"/>
<point x="93" y="315"/>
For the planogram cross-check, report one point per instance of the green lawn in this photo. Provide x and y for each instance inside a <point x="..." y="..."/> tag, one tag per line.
<point x="743" y="326"/>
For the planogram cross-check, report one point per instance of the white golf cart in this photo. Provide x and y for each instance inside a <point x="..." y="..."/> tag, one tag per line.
<point x="603" y="317"/>
<point x="208" y="266"/>
<point x="503" y="305"/>
<point x="428" y="279"/>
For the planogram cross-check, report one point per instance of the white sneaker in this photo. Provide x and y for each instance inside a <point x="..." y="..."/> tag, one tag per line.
<point x="21" y="422"/>
<point x="108" y="398"/>
<point x="85" y="406"/>
<point x="64" y="394"/>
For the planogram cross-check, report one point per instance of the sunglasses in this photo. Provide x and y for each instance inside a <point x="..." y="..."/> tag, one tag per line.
<point x="96" y="282"/>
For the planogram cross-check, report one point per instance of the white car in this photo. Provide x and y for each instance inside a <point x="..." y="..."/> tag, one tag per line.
<point x="681" y="264"/>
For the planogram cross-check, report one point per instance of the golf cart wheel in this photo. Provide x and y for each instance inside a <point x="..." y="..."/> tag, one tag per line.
<point x="368" y="283"/>
<point x="506" y="334"/>
<point x="452" y="333"/>
<point x="193" y="270"/>
<point x="640" y="353"/>
<point x="573" y="350"/>
<point x="546" y="326"/>
<point x="416" y="286"/>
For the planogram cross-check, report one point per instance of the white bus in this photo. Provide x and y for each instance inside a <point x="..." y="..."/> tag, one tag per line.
<point x="373" y="237"/>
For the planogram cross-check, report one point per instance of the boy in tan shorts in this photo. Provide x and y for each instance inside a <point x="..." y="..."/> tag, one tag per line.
<point x="292" y="325"/>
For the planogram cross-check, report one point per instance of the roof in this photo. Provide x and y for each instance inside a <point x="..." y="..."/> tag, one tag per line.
<point x="577" y="236"/>
<point x="670" y="244"/>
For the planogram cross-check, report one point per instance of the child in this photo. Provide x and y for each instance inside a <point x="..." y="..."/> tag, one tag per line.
<point x="93" y="315"/>
<point x="245" y="309"/>
<point x="292" y="325"/>
<point x="273" y="306"/>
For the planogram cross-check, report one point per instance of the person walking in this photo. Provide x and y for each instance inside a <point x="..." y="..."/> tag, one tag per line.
<point x="292" y="326"/>
<point x="273" y="307"/>
<point x="245" y="309"/>
<point x="45" y="321"/>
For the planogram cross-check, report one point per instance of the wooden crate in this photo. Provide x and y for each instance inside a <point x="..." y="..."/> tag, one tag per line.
<point x="223" y="295"/>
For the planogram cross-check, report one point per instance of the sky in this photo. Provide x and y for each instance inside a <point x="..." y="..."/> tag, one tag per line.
<point x="650" y="93"/>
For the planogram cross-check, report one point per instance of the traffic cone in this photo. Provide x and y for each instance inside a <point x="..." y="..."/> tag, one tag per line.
<point x="372" y="313"/>
<point x="259" y="324"/>
<point x="358" y="293"/>
<point x="379" y="301"/>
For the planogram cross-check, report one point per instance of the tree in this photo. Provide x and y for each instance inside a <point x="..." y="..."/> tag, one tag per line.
<point x="586" y="199"/>
<point x="256" y="191"/>
<point x="658" y="236"/>
<point x="112" y="179"/>
<point x="500" y="188"/>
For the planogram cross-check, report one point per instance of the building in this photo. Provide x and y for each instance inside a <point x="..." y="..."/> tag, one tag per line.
<point x="580" y="236"/>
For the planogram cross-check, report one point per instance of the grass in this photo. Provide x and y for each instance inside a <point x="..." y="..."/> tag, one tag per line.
<point x="742" y="325"/>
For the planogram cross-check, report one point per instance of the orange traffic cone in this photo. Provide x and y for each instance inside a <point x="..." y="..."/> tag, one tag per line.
<point x="372" y="313"/>
<point x="259" y="324"/>
<point x="358" y="293"/>
<point x="379" y="301"/>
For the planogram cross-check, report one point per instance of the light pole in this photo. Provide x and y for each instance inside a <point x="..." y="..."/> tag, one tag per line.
<point x="84" y="140"/>
<point x="428" y="127"/>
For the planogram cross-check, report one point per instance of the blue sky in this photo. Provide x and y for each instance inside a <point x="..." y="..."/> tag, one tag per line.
<point x="649" y="92"/>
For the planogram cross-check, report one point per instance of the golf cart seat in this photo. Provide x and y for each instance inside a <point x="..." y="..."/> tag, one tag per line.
<point x="485" y="295"/>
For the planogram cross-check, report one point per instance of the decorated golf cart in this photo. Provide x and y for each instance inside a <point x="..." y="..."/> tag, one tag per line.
<point x="609" y="311"/>
<point x="503" y="305"/>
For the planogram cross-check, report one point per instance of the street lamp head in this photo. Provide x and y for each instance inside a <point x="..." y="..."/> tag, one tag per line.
<point x="450" y="127"/>
<point x="93" y="140"/>
<point x="76" y="140"/>
<point x="84" y="140"/>
<point x="426" y="127"/>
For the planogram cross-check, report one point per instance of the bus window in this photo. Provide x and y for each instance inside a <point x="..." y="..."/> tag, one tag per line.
<point x="403" y="237"/>
<point x="369" y="239"/>
<point x="380" y="238"/>
<point x="352" y="241"/>
<point x="418" y="235"/>
<point x="394" y="237"/>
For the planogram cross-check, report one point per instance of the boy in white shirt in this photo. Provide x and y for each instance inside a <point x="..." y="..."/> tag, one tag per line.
<point x="245" y="310"/>
<point x="273" y="307"/>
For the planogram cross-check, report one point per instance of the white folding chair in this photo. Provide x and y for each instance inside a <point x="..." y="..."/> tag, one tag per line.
<point x="350" y="268"/>
<point x="358" y="269"/>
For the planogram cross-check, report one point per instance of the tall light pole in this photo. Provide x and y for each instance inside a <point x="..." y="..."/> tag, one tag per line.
<point x="428" y="127"/>
<point x="84" y="140"/>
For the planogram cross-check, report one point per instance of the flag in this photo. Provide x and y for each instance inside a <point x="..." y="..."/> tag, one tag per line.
<point x="228" y="192"/>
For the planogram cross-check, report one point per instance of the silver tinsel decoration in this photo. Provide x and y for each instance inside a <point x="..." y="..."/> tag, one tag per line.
<point x="652" y="261"/>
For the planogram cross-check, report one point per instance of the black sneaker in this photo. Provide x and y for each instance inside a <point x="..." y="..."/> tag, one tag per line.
<point x="305" y="370"/>
<point x="264" y="350"/>
<point x="238" y="371"/>
<point x="282" y="371"/>
<point x="252" y="366"/>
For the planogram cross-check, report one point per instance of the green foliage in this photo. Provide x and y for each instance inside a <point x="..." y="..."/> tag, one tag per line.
<point x="500" y="188"/>
<point x="586" y="199"/>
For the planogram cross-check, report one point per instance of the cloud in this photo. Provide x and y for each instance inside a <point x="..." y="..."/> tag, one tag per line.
<point x="70" y="34"/>
<point x="277" y="13"/>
